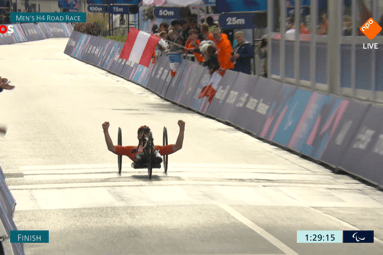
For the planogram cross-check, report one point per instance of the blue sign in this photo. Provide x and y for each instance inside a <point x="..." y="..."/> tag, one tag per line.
<point x="119" y="9"/>
<point x="29" y="236"/>
<point x="167" y="13"/>
<point x="241" y="6"/>
<point x="96" y="8"/>
<point x="68" y="4"/>
<point x="123" y="1"/>
<point x="236" y="20"/>
<point x="97" y="1"/>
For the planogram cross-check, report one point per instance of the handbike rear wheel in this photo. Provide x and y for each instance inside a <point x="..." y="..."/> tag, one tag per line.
<point x="119" y="157"/>
<point x="151" y="155"/>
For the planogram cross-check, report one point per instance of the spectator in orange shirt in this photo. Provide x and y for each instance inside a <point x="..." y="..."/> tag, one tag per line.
<point x="205" y="34"/>
<point x="224" y="49"/>
<point x="193" y="43"/>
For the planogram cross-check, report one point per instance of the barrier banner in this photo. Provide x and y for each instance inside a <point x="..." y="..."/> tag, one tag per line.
<point x="174" y="61"/>
<point x="59" y="30"/>
<point x="6" y="198"/>
<point x="220" y="96"/>
<point x="187" y="75"/>
<point x="261" y="105"/>
<point x="364" y="156"/>
<point x="116" y="63"/>
<point x="79" y="49"/>
<point x="143" y="74"/>
<point x="134" y="70"/>
<point x="19" y="34"/>
<point x="326" y="124"/>
<point x="71" y="43"/>
<point x="291" y="117"/>
<point x="310" y="120"/>
<point x="15" y="37"/>
<point x="168" y="80"/>
<point x="340" y="135"/>
<point x="86" y="57"/>
<point x="173" y="86"/>
<point x="78" y="39"/>
<point x="278" y="110"/>
<point x="2" y="177"/>
<point x="8" y="222"/>
<point x="147" y="75"/>
<point x="98" y="48"/>
<point x="162" y="77"/>
<point x="191" y="85"/>
<point x="216" y="79"/>
<point x="156" y="72"/>
<point x="31" y="32"/>
<point x="105" y="52"/>
<point x="195" y="101"/>
<point x="240" y="116"/>
<point x="127" y="69"/>
<point x="109" y="59"/>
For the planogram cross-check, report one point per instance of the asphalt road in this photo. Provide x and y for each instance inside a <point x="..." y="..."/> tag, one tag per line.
<point x="225" y="192"/>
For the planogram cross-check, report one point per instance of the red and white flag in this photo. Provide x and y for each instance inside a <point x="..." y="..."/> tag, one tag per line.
<point x="139" y="47"/>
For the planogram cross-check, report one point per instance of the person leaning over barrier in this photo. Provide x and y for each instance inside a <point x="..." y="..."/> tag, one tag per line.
<point x="224" y="49"/>
<point x="242" y="54"/>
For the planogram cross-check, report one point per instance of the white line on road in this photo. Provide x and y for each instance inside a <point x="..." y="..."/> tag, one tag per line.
<point x="283" y="247"/>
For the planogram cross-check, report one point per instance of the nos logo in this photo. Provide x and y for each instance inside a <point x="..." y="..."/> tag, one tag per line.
<point x="4" y="29"/>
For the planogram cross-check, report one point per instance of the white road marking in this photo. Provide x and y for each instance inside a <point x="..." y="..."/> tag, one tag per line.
<point x="283" y="247"/>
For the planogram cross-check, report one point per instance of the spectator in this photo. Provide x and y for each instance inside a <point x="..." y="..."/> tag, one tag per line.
<point x="305" y="30"/>
<point x="176" y="26"/>
<point x="323" y="29"/>
<point x="184" y="29"/>
<point x="202" y="20"/>
<point x="212" y="59"/>
<point x="163" y="35"/>
<point x="347" y="25"/>
<point x="290" y="33"/>
<point x="154" y="29"/>
<point x="192" y="44"/>
<point x="242" y="54"/>
<point x="210" y="22"/>
<point x="193" y="25"/>
<point x="171" y="36"/>
<point x="224" y="49"/>
<point x="163" y="27"/>
<point x="205" y="34"/>
<point x="2" y="18"/>
<point x="262" y="53"/>
<point x="179" y="46"/>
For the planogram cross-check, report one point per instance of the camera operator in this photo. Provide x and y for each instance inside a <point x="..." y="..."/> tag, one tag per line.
<point x="262" y="53"/>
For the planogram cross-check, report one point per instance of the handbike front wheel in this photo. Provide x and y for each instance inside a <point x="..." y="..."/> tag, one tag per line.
<point x="165" y="157"/>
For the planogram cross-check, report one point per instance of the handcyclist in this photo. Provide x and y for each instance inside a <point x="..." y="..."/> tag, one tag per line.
<point x="135" y="153"/>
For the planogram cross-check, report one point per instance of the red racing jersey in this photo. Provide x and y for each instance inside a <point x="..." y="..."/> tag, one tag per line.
<point x="127" y="150"/>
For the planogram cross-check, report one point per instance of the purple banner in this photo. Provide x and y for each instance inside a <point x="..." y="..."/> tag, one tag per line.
<point x="6" y="198"/>
<point x="80" y="48"/>
<point x="86" y="57"/>
<point x="32" y="32"/>
<point x="241" y="87"/>
<point x="172" y="88"/>
<point x="241" y="114"/>
<point x="191" y="85"/>
<point x="157" y="72"/>
<point x="108" y="45"/>
<point x="97" y="51"/>
<point x="162" y="77"/>
<point x="71" y="43"/>
<point x="110" y="57"/>
<point x="364" y="156"/>
<point x="186" y="76"/>
<point x="116" y="62"/>
<point x="277" y="111"/>
<point x="309" y="122"/>
<point x="148" y="73"/>
<point x="222" y="93"/>
<point x="337" y="132"/>
<point x="261" y="105"/>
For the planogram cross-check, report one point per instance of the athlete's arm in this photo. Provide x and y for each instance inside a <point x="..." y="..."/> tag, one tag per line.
<point x="180" y="139"/>
<point x="108" y="140"/>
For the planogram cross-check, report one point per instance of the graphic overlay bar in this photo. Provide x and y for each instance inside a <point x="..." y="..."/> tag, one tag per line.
<point x="358" y="236"/>
<point x="29" y="236"/>
<point x="319" y="236"/>
<point x="48" y="17"/>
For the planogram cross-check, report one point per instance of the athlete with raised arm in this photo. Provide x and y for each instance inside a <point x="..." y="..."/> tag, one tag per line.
<point x="135" y="153"/>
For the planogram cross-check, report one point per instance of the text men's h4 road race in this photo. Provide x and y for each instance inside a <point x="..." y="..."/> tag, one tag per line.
<point x="6" y="29"/>
<point x="370" y="29"/>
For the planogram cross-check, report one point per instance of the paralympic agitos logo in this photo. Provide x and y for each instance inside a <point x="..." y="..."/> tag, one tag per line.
<point x="6" y="29"/>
